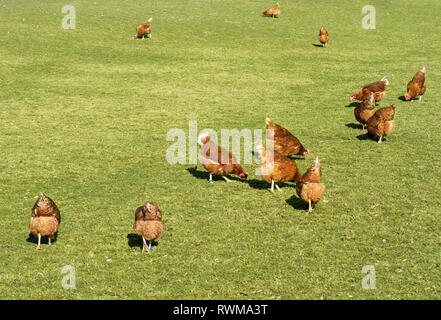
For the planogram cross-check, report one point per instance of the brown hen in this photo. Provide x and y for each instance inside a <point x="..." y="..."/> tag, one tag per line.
<point x="416" y="86"/>
<point x="323" y="36"/>
<point x="272" y="12"/>
<point x="144" y="30"/>
<point x="365" y="110"/>
<point x="377" y="88"/>
<point x="381" y="123"/>
<point x="309" y="188"/>
<point x="217" y="160"/>
<point x="284" y="142"/>
<point x="45" y="219"/>
<point x="276" y="167"/>
<point x="148" y="224"/>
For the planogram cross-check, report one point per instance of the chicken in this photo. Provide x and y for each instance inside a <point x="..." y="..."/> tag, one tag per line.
<point x="45" y="219"/>
<point x="276" y="168"/>
<point x="272" y="12"/>
<point x="309" y="188"/>
<point x="377" y="88"/>
<point x="217" y="160"/>
<point x="148" y="224"/>
<point x="365" y="110"/>
<point x="284" y="142"/>
<point x="381" y="123"/>
<point x="416" y="86"/>
<point x="323" y="36"/>
<point x="144" y="30"/>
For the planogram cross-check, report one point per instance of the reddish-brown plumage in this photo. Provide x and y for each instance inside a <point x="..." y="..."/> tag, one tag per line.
<point x="148" y="223"/>
<point x="309" y="188"/>
<point x="377" y="88"/>
<point x="276" y="167"/>
<point x="284" y="142"/>
<point x="416" y="86"/>
<point x="219" y="161"/>
<point x="45" y="219"/>
<point x="323" y="36"/>
<point x="273" y="12"/>
<point x="144" y="29"/>
<point x="365" y="110"/>
<point x="382" y="122"/>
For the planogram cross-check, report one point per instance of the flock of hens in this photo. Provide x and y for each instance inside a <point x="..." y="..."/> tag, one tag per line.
<point x="276" y="164"/>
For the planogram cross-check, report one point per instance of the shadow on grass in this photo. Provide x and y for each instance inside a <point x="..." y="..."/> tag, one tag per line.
<point x="133" y="240"/>
<point x="143" y="37"/>
<point x="297" y="203"/>
<point x="269" y="16"/>
<point x="44" y="240"/>
<point x="263" y="185"/>
<point x="318" y="45"/>
<point x="199" y="174"/>
<point x="353" y="104"/>
<point x="362" y="137"/>
<point x="296" y="157"/>
<point x="402" y="98"/>
<point x="204" y="175"/>
<point x="354" y="125"/>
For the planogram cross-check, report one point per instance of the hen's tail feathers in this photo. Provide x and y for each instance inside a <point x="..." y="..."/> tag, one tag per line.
<point x="372" y="99"/>
<point x="317" y="163"/>
<point x="423" y="70"/>
<point x="385" y="80"/>
<point x="150" y="20"/>
<point x="259" y="150"/>
<point x="203" y="139"/>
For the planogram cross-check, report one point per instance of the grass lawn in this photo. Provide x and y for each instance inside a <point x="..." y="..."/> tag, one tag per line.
<point x="84" y="116"/>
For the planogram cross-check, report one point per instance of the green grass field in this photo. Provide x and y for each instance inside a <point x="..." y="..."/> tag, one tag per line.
<point x="84" y="116"/>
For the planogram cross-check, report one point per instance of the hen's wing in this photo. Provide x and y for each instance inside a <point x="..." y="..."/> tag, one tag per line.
<point x="387" y="113"/>
<point x="376" y="86"/>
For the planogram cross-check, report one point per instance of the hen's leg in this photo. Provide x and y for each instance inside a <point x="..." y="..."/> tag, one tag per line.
<point x="144" y="245"/>
<point x="272" y="185"/>
<point x="211" y="178"/>
<point x="49" y="241"/>
<point x="39" y="241"/>
<point x="278" y="188"/>
<point x="363" y="127"/>
<point x="150" y="245"/>
<point x="421" y="98"/>
<point x="379" y="140"/>
<point x="226" y="179"/>
<point x="310" y="207"/>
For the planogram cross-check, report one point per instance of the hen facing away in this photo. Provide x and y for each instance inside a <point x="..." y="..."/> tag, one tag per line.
<point x="309" y="188"/>
<point x="148" y="224"/>
<point x="365" y="110"/>
<point x="323" y="36"/>
<point x="45" y="219"/>
<point x="381" y="123"/>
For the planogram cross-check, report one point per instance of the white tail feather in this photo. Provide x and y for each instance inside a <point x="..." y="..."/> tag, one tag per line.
<point x="203" y="137"/>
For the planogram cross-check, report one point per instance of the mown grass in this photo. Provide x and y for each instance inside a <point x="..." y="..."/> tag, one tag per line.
<point x="84" y="117"/>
